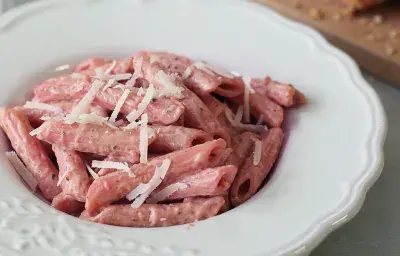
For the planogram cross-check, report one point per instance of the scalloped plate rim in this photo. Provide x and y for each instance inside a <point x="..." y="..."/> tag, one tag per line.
<point x="345" y="211"/>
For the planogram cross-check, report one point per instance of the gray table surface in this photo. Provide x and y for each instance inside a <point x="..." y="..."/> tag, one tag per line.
<point x="376" y="229"/>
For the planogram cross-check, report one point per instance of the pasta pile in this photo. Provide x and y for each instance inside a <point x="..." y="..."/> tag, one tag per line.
<point x="153" y="140"/>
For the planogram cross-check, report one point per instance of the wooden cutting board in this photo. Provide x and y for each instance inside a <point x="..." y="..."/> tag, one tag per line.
<point x="371" y="37"/>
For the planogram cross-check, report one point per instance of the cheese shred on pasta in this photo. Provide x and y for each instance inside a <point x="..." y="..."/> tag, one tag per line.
<point x="118" y="106"/>
<point x="257" y="151"/>
<point x="166" y="192"/>
<point x="91" y="172"/>
<point x="43" y="106"/>
<point x="84" y="103"/>
<point x="142" y="191"/>
<point x="21" y="169"/>
<point x="135" y="114"/>
<point x="144" y="139"/>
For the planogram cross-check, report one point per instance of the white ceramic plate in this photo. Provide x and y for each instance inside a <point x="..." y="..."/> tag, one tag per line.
<point x="333" y="151"/>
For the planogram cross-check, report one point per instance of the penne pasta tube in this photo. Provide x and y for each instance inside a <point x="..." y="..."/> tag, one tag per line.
<point x="34" y="115"/>
<point x="67" y="203"/>
<point x="117" y="185"/>
<point x="273" y="113"/>
<point x="114" y="67"/>
<point x="242" y="146"/>
<point x="73" y="176"/>
<point x="90" y="138"/>
<point x="159" y="215"/>
<point x="216" y="106"/>
<point x="62" y="88"/>
<point x="160" y="111"/>
<point x="17" y="128"/>
<point x="283" y="94"/>
<point x="208" y="182"/>
<point x="196" y="114"/>
<point x="250" y="176"/>
<point x="173" y="138"/>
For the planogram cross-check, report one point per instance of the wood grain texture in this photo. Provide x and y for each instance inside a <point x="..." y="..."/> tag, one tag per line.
<point x="371" y="37"/>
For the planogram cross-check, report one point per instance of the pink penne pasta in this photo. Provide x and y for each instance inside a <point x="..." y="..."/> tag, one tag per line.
<point x="172" y="138"/>
<point x="73" y="175"/>
<point x="160" y="111"/>
<point x="117" y="185"/>
<point x="90" y="64"/>
<point x="121" y="66"/>
<point x="34" y="115"/>
<point x="159" y="215"/>
<point x="196" y="114"/>
<point x="250" y="176"/>
<point x="67" y="203"/>
<point x="199" y="77"/>
<point x="208" y="182"/>
<point x="105" y="171"/>
<point x="216" y="106"/>
<point x="16" y="125"/>
<point x="273" y="113"/>
<point x="283" y="94"/>
<point x="63" y="88"/>
<point x="242" y="146"/>
<point x="91" y="138"/>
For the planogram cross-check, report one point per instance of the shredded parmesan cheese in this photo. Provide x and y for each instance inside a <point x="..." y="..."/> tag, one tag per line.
<point x="144" y="139"/>
<point x="44" y="106"/>
<point x="21" y="169"/>
<point x="136" y="74"/>
<point x="135" y="114"/>
<point x="112" y="66"/>
<point x="141" y="91"/>
<point x="239" y="115"/>
<point x="155" y="181"/>
<point x="109" y="84"/>
<point x="170" y="88"/>
<point x="247" y="83"/>
<point x="118" y="106"/>
<point x="152" y="217"/>
<point x="62" y="178"/>
<point x="219" y="71"/>
<point x="235" y="73"/>
<point x="246" y="127"/>
<point x="202" y="66"/>
<point x="140" y="189"/>
<point x="166" y="192"/>
<point x="91" y="172"/>
<point x="90" y="119"/>
<point x="212" y="70"/>
<point x="62" y="67"/>
<point x="84" y="103"/>
<point x="187" y="73"/>
<point x="40" y="129"/>
<point x="257" y="151"/>
<point x="110" y="165"/>
<point x="77" y="76"/>
<point x="154" y="58"/>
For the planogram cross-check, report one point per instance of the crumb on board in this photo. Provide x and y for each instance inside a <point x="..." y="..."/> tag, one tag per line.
<point x="390" y="50"/>
<point x="336" y="16"/>
<point x="316" y="14"/>
<point x="393" y="34"/>
<point x="370" y="37"/>
<point x="378" y="19"/>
